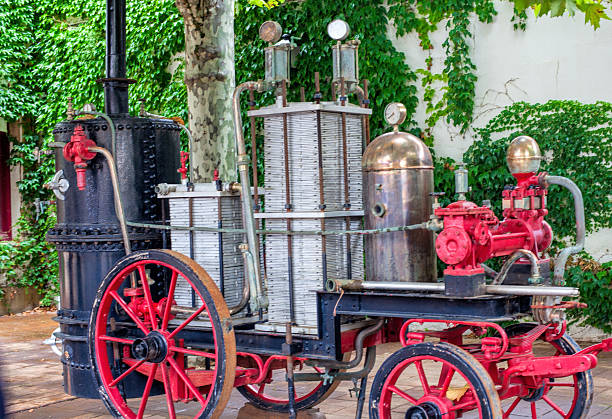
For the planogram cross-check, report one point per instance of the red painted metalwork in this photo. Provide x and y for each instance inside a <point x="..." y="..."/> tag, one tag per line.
<point x="183" y="169"/>
<point x="77" y="151"/>
<point x="526" y="376"/>
<point x="5" y="189"/>
<point x="474" y="234"/>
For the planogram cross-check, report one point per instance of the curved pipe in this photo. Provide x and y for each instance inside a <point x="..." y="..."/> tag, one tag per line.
<point x="370" y="360"/>
<point x="561" y="258"/>
<point x="117" y="195"/>
<point x="111" y="126"/>
<point x="246" y="289"/>
<point x="247" y="202"/>
<point x="520" y="253"/>
<point x="358" y="349"/>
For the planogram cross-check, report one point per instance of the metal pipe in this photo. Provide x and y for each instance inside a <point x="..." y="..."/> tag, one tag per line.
<point x="561" y="258"/>
<point x="361" y="336"/>
<point x="115" y="83"/>
<point x="317" y="99"/>
<point x="111" y="126"/>
<point x="490" y="272"/>
<point x="370" y="360"/>
<point x="246" y="289"/>
<point x="247" y="203"/>
<point x="520" y="253"/>
<point x="356" y="285"/>
<point x="117" y="195"/>
<point x="288" y="204"/>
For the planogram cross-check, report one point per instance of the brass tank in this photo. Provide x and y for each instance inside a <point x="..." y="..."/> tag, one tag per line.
<point x="398" y="179"/>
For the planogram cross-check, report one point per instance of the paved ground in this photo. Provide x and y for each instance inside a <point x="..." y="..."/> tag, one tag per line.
<point x="31" y="375"/>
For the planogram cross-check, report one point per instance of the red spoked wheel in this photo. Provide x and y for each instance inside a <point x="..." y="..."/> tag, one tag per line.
<point x="433" y="381"/>
<point x="271" y="394"/>
<point x="141" y="347"/>
<point x="567" y="398"/>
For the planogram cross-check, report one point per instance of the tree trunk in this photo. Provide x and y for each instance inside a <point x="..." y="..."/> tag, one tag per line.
<point x="210" y="81"/>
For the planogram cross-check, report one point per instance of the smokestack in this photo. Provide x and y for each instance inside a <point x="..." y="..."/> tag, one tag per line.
<point x="115" y="84"/>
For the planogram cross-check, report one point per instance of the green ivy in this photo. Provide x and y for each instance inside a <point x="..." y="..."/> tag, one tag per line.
<point x="595" y="284"/>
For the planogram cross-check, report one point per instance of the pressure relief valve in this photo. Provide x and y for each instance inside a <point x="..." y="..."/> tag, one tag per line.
<point x="77" y="151"/>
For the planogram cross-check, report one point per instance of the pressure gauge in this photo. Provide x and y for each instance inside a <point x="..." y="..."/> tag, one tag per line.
<point x="395" y="113"/>
<point x="338" y="29"/>
<point x="270" y="31"/>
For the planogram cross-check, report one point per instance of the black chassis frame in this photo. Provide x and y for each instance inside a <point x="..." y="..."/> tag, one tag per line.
<point x="327" y="345"/>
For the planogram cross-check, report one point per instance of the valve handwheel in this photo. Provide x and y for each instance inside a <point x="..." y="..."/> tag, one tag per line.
<point x="139" y="350"/>
<point x="438" y="380"/>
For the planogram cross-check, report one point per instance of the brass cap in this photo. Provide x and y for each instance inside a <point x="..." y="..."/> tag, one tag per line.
<point x="396" y="150"/>
<point x="523" y="155"/>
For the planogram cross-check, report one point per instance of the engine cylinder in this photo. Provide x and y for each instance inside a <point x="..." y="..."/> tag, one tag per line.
<point x="398" y="180"/>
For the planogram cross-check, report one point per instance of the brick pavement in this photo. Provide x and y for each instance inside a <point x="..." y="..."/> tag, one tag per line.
<point x="31" y="375"/>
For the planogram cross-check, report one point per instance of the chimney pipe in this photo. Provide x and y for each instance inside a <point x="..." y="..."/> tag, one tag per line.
<point x="115" y="84"/>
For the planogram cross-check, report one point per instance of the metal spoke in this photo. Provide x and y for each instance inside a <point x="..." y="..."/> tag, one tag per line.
<point x="126" y="373"/>
<point x="561" y="384"/>
<point x="107" y="338"/>
<point x="168" y="388"/>
<point x="554" y="406"/>
<point x="147" y="294"/>
<point x="187" y="381"/>
<point x="169" y="299"/>
<point x="462" y="406"/>
<point x="146" y="392"/>
<point x="512" y="407"/>
<point x="534" y="413"/>
<point x="129" y="312"/>
<point x="186" y="322"/>
<point x="261" y="389"/>
<point x="193" y="352"/>
<point x="403" y="394"/>
<point x="447" y="381"/>
<point x="422" y="377"/>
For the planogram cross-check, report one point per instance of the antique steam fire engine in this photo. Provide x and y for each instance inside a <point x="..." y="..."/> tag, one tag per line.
<point x="174" y="293"/>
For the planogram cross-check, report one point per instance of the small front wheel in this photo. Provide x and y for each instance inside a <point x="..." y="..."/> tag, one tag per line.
<point x="433" y="381"/>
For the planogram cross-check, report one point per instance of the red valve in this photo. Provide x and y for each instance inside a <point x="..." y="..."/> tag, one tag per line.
<point x="183" y="169"/>
<point x="216" y="175"/>
<point x="77" y="151"/>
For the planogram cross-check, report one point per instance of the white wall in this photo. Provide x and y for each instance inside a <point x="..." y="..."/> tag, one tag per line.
<point x="554" y="58"/>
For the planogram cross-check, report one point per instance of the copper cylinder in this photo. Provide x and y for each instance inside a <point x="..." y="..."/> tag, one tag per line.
<point x="398" y="180"/>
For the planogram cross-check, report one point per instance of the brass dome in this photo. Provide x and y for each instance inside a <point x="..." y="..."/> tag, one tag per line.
<point x="523" y="155"/>
<point x="396" y="150"/>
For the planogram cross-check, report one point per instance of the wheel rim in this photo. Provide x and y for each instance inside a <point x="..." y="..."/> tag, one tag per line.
<point x="268" y="394"/>
<point x="431" y="397"/>
<point x="556" y="397"/>
<point x="158" y="352"/>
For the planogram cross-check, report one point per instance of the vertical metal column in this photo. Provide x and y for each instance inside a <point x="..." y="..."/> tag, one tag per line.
<point x="220" y="236"/>
<point x="317" y="100"/>
<point x="347" y="203"/>
<point x="288" y="205"/>
<point x="115" y="84"/>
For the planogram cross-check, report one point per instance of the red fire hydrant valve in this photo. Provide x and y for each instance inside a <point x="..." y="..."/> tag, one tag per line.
<point x="183" y="169"/>
<point x="77" y="151"/>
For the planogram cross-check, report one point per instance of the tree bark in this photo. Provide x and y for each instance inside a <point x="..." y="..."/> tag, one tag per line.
<point x="210" y="81"/>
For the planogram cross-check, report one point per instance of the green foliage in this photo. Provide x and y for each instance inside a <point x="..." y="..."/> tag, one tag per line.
<point x="457" y="81"/>
<point x="595" y="283"/>
<point x="16" y="40"/>
<point x="594" y="10"/>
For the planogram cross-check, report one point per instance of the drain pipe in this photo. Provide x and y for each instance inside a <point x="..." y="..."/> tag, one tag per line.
<point x="247" y="202"/>
<point x="561" y="258"/>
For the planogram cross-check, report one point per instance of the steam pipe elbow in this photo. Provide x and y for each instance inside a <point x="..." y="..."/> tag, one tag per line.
<point x="520" y="253"/>
<point x="564" y="254"/>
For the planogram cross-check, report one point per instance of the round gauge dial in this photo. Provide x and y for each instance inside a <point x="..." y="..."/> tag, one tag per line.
<point x="338" y="29"/>
<point x="270" y="31"/>
<point x="395" y="113"/>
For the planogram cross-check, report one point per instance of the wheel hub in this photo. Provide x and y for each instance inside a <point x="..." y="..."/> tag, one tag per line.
<point x="153" y="348"/>
<point x="426" y="410"/>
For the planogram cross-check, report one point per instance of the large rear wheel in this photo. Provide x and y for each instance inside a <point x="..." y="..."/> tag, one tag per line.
<point x="142" y="344"/>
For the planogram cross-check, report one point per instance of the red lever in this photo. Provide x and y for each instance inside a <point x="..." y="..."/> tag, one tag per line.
<point x="77" y="151"/>
<point x="183" y="169"/>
